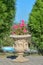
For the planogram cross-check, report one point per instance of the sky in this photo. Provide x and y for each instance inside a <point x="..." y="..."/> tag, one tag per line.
<point x="23" y="9"/>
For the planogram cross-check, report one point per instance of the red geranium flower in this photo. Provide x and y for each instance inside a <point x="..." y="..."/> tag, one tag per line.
<point x="22" y="24"/>
<point x="13" y="33"/>
<point x="15" y="27"/>
<point x="24" y="30"/>
<point x="19" y="28"/>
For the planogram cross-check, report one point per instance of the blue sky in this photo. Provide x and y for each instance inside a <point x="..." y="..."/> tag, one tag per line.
<point x="23" y="9"/>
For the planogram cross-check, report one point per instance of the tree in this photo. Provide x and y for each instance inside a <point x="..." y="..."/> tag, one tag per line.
<point x="7" y="14"/>
<point x="35" y="24"/>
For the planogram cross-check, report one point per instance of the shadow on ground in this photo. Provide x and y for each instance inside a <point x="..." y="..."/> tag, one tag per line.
<point x="12" y="57"/>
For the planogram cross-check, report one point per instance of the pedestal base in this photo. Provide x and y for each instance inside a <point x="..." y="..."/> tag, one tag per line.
<point x="20" y="59"/>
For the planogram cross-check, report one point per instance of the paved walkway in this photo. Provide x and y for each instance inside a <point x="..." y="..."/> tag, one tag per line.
<point x="33" y="60"/>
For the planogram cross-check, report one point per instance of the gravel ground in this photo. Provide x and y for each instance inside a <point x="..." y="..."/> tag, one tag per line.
<point x="33" y="60"/>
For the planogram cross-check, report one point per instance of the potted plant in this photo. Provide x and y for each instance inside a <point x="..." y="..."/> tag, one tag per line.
<point x="20" y="36"/>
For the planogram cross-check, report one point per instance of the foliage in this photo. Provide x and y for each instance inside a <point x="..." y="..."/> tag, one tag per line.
<point x="7" y="14"/>
<point x="20" y="29"/>
<point x="35" y="24"/>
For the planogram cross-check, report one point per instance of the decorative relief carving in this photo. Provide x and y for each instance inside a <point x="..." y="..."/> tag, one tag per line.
<point x="21" y="45"/>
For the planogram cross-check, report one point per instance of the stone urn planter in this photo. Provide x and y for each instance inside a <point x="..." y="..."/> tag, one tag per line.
<point x="20" y="45"/>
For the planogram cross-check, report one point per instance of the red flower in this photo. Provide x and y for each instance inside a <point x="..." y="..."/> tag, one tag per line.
<point x="19" y="28"/>
<point x="15" y="27"/>
<point x="13" y="33"/>
<point x="22" y="21"/>
<point x="22" y="24"/>
<point x="24" y="30"/>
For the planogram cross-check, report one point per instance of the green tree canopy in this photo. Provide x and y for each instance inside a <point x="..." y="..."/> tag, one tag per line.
<point x="7" y="14"/>
<point x="35" y="24"/>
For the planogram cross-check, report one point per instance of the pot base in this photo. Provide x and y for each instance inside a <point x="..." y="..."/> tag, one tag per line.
<point x="20" y="59"/>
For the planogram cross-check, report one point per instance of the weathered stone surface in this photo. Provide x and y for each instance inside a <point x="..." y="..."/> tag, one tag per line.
<point x="33" y="60"/>
<point x="21" y="45"/>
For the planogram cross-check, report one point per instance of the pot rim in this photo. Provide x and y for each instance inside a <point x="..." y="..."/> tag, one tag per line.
<point x="20" y="36"/>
